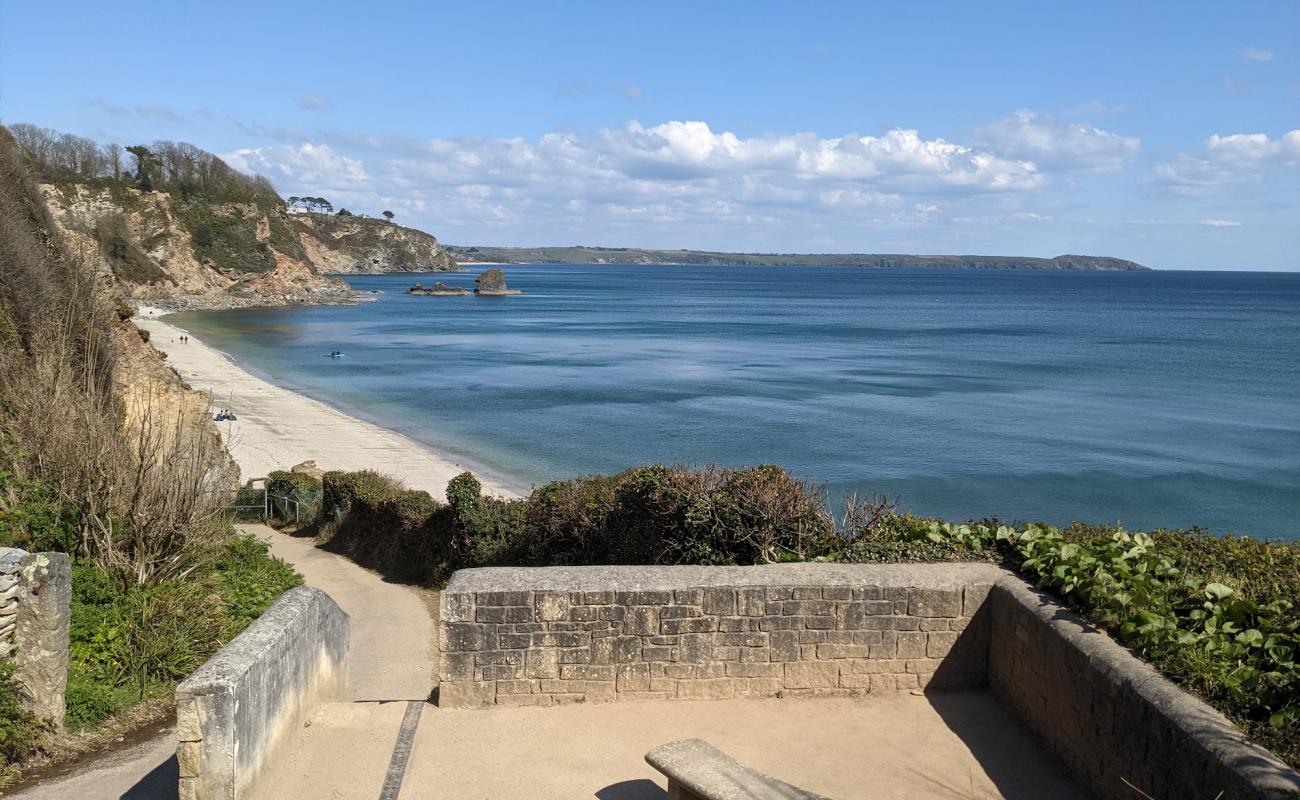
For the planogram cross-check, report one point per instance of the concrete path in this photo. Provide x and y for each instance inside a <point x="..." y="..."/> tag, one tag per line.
<point x="391" y="658"/>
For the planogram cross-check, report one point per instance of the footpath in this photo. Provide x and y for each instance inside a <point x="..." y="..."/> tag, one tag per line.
<point x="391" y="661"/>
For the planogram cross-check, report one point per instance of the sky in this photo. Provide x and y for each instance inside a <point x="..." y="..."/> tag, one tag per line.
<point x="1163" y="132"/>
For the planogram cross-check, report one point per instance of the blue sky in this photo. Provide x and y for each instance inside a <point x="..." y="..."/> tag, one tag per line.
<point x="1168" y="133"/>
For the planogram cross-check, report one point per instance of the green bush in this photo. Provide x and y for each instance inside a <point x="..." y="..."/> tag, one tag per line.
<point x="464" y="492"/>
<point x="32" y="518"/>
<point x="20" y="731"/>
<point x="371" y="519"/>
<point x="1218" y="615"/>
<point x="294" y="498"/>
<point x="136" y="643"/>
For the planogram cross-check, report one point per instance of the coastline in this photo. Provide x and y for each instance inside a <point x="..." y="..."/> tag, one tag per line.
<point x="277" y="428"/>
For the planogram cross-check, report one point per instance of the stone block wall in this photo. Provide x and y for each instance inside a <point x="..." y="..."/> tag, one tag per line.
<point x="1112" y="718"/>
<point x="517" y="636"/>
<point x="233" y="712"/>
<point x="35" y="613"/>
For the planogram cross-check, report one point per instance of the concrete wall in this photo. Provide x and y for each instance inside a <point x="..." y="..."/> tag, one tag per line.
<point x="35" y="612"/>
<point x="518" y="636"/>
<point x="1110" y="716"/>
<point x="232" y="713"/>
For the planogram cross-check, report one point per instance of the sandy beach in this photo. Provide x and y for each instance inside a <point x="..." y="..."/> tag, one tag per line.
<point x="276" y="428"/>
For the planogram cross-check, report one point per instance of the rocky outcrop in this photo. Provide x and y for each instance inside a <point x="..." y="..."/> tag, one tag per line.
<point x="350" y="244"/>
<point x="492" y="283"/>
<point x="438" y="289"/>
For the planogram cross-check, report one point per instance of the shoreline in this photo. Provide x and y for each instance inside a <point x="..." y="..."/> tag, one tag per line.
<point x="276" y="428"/>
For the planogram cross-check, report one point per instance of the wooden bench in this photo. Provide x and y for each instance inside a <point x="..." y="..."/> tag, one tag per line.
<point x="696" y="770"/>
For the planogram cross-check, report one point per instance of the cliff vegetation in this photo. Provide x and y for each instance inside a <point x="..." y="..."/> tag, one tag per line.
<point x="106" y="455"/>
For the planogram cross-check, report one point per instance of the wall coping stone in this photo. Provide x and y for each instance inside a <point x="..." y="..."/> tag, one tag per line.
<point x="947" y="575"/>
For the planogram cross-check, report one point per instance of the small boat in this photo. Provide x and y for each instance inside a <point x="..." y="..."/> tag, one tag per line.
<point x="334" y="354"/>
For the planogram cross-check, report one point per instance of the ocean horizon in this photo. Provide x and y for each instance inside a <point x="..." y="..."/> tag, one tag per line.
<point x="1147" y="399"/>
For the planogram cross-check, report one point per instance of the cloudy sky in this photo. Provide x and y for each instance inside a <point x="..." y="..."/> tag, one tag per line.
<point x="1168" y="133"/>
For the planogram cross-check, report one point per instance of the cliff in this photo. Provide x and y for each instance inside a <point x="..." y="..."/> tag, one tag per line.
<point x="350" y="244"/>
<point x="188" y="252"/>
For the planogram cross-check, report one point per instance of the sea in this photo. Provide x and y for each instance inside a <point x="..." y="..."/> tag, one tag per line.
<point x="1145" y="399"/>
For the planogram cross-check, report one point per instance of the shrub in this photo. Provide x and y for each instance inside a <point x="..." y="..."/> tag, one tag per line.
<point x="463" y="492"/>
<point x="33" y="519"/>
<point x="20" y="731"/>
<point x="294" y="497"/>
<point x="374" y="521"/>
<point x="1177" y="599"/>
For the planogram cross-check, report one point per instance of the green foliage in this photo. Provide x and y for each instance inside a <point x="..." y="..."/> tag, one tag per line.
<point x="1218" y="616"/>
<point x="32" y="518"/>
<point x="294" y="498"/>
<point x="464" y="492"/>
<point x="128" y="644"/>
<point x="20" y="731"/>
<point x="652" y="515"/>
<point x="228" y="238"/>
<point x="124" y="256"/>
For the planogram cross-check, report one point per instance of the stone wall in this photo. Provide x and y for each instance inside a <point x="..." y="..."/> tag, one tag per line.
<point x="35" y="612"/>
<point x="1112" y="717"/>
<point x="512" y="636"/>
<point x="232" y="713"/>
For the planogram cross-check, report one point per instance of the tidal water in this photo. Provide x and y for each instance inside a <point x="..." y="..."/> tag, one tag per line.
<point x="1154" y="399"/>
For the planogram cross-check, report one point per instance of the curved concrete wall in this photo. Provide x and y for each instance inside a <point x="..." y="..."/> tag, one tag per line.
<point x="233" y="711"/>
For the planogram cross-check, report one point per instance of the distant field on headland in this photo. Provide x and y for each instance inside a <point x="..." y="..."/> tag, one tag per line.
<point x="632" y="255"/>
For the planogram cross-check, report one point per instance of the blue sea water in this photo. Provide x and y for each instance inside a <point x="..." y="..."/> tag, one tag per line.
<point x="1153" y="399"/>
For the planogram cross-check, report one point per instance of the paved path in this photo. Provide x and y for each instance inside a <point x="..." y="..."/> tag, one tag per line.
<point x="391" y="658"/>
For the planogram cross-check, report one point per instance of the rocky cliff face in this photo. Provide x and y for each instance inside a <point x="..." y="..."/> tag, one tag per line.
<point x="337" y="244"/>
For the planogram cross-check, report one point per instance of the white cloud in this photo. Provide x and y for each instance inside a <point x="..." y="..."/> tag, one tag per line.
<point x="1229" y="159"/>
<point x="1221" y="223"/>
<point x="678" y="175"/>
<point x="1052" y="144"/>
<point x="314" y="102"/>
<point x="313" y="168"/>
<point x="1255" y="54"/>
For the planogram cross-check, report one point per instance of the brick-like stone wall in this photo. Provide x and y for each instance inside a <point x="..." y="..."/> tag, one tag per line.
<point x="515" y="636"/>
<point x="35" y="614"/>
<point x="1112" y="717"/>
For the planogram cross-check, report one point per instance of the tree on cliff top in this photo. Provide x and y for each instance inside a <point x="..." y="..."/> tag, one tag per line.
<point x="388" y="215"/>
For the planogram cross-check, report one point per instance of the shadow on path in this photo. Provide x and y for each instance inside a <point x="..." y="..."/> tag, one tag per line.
<point x="160" y="784"/>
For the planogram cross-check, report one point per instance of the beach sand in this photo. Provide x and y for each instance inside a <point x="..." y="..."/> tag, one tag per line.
<point x="276" y="428"/>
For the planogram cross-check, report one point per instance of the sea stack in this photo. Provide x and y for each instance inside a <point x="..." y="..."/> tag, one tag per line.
<point x="492" y="283"/>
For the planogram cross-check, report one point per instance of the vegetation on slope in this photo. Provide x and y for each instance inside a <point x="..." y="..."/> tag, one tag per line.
<point x="632" y="255"/>
<point x="220" y="207"/>
<point x="1218" y="615"/>
<point x="130" y="487"/>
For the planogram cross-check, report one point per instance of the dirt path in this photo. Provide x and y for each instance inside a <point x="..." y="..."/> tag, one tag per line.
<point x="391" y="658"/>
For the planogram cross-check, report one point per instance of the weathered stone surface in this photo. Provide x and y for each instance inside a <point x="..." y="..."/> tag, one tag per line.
<point x="697" y="770"/>
<point x="34" y="623"/>
<point x="242" y="701"/>
<point x="600" y="632"/>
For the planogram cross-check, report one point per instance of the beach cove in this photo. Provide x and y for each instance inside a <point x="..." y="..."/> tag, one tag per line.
<point x="276" y="428"/>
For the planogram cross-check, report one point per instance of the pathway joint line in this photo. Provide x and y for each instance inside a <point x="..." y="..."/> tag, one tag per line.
<point x="401" y="751"/>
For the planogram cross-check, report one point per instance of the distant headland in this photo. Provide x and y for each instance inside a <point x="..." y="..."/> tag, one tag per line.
<point x="632" y="255"/>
